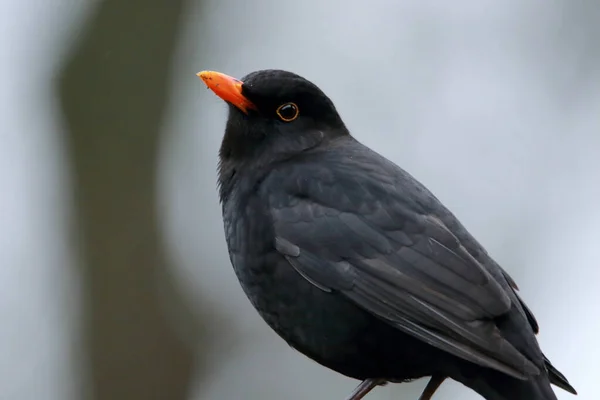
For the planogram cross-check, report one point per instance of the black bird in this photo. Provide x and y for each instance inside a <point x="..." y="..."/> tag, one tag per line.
<point x="356" y="264"/>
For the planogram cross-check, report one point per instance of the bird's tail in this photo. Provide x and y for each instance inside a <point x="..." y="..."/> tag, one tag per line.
<point x="493" y="385"/>
<point x="496" y="386"/>
<point x="536" y="389"/>
<point x="557" y="378"/>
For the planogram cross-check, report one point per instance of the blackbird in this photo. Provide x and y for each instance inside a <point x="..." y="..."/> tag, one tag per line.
<point x="356" y="264"/>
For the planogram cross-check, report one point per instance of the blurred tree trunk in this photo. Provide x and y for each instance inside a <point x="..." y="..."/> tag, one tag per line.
<point x="113" y="90"/>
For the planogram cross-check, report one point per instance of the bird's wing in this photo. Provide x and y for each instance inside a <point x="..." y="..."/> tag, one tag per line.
<point x="363" y="239"/>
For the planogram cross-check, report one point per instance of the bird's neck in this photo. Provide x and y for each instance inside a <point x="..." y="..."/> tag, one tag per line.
<point x="250" y="158"/>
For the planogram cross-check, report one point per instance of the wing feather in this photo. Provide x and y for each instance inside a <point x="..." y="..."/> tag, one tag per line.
<point x="415" y="275"/>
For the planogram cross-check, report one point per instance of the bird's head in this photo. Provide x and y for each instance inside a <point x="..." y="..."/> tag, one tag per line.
<point x="272" y="110"/>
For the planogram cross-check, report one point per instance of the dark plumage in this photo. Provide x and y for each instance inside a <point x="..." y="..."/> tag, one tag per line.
<point x="355" y="263"/>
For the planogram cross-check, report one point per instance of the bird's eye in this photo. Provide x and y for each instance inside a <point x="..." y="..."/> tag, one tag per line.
<point x="288" y="112"/>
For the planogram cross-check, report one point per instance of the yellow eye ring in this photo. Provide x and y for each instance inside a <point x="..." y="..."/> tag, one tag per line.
<point x="288" y="112"/>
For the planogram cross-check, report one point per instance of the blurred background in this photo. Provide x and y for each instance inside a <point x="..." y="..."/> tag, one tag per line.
<point x="114" y="277"/>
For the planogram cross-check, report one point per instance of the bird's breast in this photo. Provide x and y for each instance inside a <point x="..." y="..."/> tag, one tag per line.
<point x="320" y="324"/>
<point x="324" y="326"/>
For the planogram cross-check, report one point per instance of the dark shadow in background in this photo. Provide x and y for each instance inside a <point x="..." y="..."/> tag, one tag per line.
<point x="113" y="89"/>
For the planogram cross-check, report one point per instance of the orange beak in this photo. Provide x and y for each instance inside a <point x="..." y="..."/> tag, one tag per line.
<point x="227" y="88"/>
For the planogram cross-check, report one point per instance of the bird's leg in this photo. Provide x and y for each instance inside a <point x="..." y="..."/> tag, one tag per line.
<point x="433" y="385"/>
<point x="363" y="388"/>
